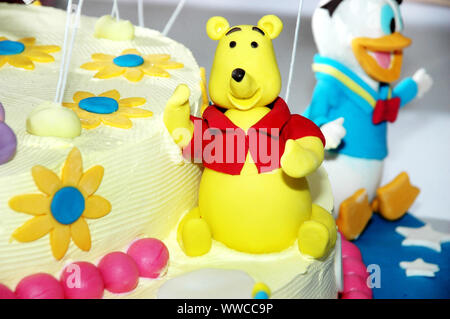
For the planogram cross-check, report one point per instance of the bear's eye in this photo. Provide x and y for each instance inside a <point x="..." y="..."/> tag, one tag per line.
<point x="232" y="44"/>
<point x="254" y="44"/>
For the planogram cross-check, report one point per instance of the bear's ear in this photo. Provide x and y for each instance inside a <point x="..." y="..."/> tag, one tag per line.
<point x="272" y="25"/>
<point x="216" y="27"/>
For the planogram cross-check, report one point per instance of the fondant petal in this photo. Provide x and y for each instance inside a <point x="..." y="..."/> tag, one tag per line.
<point x="110" y="71"/>
<point x="88" y="120"/>
<point x="33" y="229"/>
<point x="134" y="112"/>
<point x="20" y="61"/>
<point x="156" y="58"/>
<point x="169" y="65"/>
<point x="96" y="65"/>
<point x="27" y="41"/>
<point x="73" y="168"/>
<point x="131" y="51"/>
<point x="132" y="102"/>
<point x="82" y="114"/>
<point x="39" y="56"/>
<point x="155" y="71"/>
<point x="81" y="95"/>
<point x="47" y="48"/>
<point x="97" y="207"/>
<point x="3" y="60"/>
<point x="81" y="235"/>
<point x="90" y="124"/>
<point x="134" y="74"/>
<point x="91" y="180"/>
<point x="60" y="240"/>
<point x="114" y="94"/>
<point x="32" y="204"/>
<point x="117" y="120"/>
<point x="102" y="57"/>
<point x="70" y="105"/>
<point x="46" y="180"/>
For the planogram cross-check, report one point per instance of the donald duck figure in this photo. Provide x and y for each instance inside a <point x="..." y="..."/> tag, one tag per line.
<point x="360" y="53"/>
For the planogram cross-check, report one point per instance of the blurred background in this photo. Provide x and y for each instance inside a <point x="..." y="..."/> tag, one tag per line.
<point x="419" y="142"/>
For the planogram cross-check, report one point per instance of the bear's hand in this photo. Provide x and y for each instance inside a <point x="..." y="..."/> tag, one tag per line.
<point x="177" y="116"/>
<point x="423" y="81"/>
<point x="298" y="161"/>
<point x="334" y="132"/>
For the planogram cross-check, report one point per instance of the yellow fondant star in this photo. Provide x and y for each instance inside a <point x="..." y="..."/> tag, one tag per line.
<point x="117" y="117"/>
<point x="23" y="53"/>
<point x="131" y="64"/>
<point x="63" y="206"/>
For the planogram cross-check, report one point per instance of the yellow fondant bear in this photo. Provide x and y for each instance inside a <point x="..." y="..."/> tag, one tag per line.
<point x="245" y="205"/>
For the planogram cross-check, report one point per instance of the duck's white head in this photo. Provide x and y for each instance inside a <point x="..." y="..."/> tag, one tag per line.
<point x="364" y="35"/>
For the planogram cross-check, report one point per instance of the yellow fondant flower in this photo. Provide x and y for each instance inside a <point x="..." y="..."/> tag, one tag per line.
<point x="63" y="206"/>
<point x="107" y="108"/>
<point x="23" y="53"/>
<point x="131" y="64"/>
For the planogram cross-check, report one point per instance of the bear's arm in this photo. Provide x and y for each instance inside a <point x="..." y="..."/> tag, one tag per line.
<point x="299" y="127"/>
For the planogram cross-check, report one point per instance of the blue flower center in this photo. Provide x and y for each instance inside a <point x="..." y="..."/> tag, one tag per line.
<point x="11" y="47"/>
<point x="99" y="105"/>
<point x="261" y="295"/>
<point x="129" y="60"/>
<point x="67" y="205"/>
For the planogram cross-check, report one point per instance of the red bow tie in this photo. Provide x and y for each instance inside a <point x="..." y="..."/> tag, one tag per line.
<point x="386" y="110"/>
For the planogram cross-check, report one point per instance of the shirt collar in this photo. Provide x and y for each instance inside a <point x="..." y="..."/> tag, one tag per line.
<point x="275" y="119"/>
<point x="319" y="59"/>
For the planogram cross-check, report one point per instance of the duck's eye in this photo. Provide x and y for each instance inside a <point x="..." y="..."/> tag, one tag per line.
<point x="232" y="44"/>
<point x="389" y="23"/>
<point x="254" y="44"/>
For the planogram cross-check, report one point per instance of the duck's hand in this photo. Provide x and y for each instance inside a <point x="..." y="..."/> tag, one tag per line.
<point x="177" y="116"/>
<point x="424" y="82"/>
<point x="298" y="161"/>
<point x="334" y="132"/>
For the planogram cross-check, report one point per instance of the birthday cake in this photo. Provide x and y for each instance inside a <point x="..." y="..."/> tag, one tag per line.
<point x="106" y="204"/>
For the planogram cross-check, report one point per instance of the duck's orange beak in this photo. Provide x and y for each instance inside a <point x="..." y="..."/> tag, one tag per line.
<point x="381" y="58"/>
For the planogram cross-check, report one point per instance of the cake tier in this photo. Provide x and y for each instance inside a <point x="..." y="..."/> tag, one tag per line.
<point x="143" y="180"/>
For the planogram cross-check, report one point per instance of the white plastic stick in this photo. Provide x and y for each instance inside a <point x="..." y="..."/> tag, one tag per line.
<point x="294" y="51"/>
<point x="173" y="17"/>
<point x="115" y="10"/>
<point x="69" y="52"/>
<point x="141" y="13"/>
<point x="63" y="59"/>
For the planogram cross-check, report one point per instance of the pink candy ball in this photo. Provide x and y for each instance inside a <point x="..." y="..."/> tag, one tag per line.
<point x="6" y="293"/>
<point x="356" y="283"/>
<point x="352" y="265"/>
<point x="39" y="286"/>
<point x="82" y="280"/>
<point x="150" y="255"/>
<point x="355" y="295"/>
<point x="350" y="250"/>
<point x="119" y="271"/>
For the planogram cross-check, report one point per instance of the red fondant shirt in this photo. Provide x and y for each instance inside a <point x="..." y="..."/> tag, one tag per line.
<point x="222" y="146"/>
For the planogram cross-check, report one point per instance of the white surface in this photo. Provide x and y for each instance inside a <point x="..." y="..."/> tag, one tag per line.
<point x="418" y="141"/>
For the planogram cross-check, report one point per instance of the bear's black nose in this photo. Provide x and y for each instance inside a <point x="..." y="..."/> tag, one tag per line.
<point x="238" y="74"/>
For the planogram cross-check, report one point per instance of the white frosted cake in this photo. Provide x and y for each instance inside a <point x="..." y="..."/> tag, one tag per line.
<point x="144" y="187"/>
